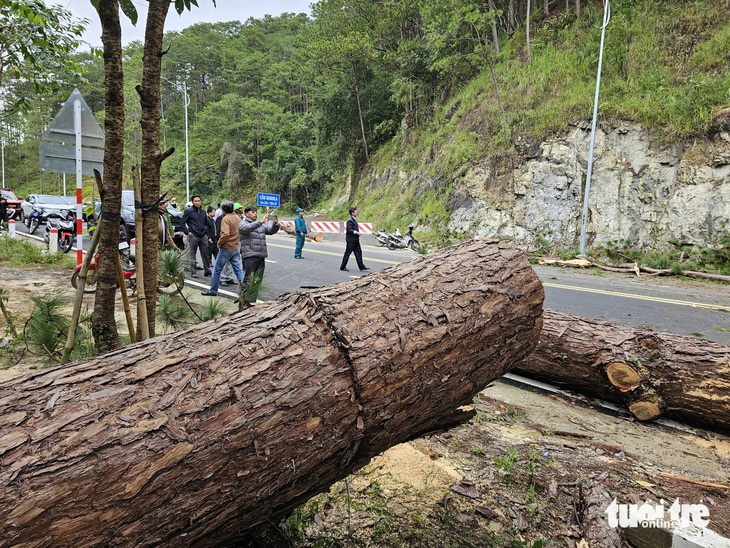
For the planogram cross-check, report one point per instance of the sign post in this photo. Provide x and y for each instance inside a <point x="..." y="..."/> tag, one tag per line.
<point x="264" y="199"/>
<point x="74" y="144"/>
<point x="79" y="187"/>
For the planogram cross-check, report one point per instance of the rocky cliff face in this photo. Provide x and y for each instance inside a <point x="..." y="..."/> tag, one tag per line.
<point x="641" y="192"/>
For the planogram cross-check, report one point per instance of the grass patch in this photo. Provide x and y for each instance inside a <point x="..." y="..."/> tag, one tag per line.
<point x="19" y="252"/>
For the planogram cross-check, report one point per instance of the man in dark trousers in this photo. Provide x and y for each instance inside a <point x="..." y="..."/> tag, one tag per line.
<point x="252" y="233"/>
<point x="213" y="232"/>
<point x="195" y="226"/>
<point x="3" y="211"/>
<point x="352" y="238"/>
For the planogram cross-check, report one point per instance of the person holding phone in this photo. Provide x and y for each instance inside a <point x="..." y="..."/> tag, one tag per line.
<point x="253" y="250"/>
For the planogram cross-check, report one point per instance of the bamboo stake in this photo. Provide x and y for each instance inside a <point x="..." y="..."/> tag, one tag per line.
<point x="144" y="324"/>
<point x="78" y="301"/>
<point x="125" y="300"/>
<point x="8" y="317"/>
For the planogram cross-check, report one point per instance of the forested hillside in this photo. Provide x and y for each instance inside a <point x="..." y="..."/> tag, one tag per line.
<point x="299" y="106"/>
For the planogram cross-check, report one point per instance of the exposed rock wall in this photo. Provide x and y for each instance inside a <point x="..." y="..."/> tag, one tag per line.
<point x="641" y="192"/>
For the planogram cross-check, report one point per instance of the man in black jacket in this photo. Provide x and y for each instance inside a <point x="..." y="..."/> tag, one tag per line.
<point x="213" y="232"/>
<point x="195" y="226"/>
<point x="352" y="238"/>
<point x="3" y="211"/>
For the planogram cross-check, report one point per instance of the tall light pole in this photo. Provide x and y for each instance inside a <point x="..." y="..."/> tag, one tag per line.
<point x="584" y="219"/>
<point x="183" y="89"/>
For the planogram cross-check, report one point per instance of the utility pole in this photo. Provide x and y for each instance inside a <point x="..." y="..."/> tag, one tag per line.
<point x="584" y="219"/>
<point x="183" y="89"/>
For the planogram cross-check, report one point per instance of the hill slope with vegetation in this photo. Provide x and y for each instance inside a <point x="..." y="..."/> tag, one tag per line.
<point x="312" y="108"/>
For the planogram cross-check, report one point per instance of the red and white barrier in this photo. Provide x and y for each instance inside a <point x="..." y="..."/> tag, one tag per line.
<point x="287" y="223"/>
<point x="11" y="228"/>
<point x="133" y="246"/>
<point x="365" y="228"/>
<point x="53" y="241"/>
<point x="325" y="226"/>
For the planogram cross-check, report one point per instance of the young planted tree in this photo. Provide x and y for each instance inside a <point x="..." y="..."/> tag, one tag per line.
<point x="104" y="327"/>
<point x="152" y="156"/>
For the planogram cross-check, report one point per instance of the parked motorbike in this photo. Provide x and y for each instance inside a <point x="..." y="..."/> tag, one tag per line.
<point x="34" y="220"/>
<point x="129" y="272"/>
<point x="397" y="241"/>
<point x="382" y="237"/>
<point x="66" y="226"/>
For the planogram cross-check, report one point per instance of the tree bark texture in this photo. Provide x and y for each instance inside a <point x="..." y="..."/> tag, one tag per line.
<point x="152" y="157"/>
<point x="592" y="502"/>
<point x="651" y="373"/>
<point x="193" y="438"/>
<point x="104" y="327"/>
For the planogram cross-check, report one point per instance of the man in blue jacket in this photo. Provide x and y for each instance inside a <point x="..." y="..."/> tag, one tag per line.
<point x="300" y="227"/>
<point x="194" y="223"/>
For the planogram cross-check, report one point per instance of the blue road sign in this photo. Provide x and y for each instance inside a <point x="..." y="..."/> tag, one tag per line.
<point x="264" y="199"/>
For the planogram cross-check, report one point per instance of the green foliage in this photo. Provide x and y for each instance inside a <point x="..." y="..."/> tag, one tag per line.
<point x="37" y="42"/>
<point x="507" y="463"/>
<point x="296" y="106"/>
<point x="714" y="258"/>
<point x="10" y="339"/>
<point x="294" y="527"/>
<point x="8" y="346"/>
<point x="253" y="285"/>
<point x="212" y="309"/>
<point x="171" y="267"/>
<point x="514" y="413"/>
<point x="46" y="330"/>
<point x="20" y="252"/>
<point x="172" y="314"/>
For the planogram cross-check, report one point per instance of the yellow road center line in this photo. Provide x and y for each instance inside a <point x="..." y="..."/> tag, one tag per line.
<point x="638" y="297"/>
<point x="312" y="249"/>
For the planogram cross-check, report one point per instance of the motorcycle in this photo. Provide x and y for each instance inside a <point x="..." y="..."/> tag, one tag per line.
<point x="34" y="220"/>
<point x="129" y="272"/>
<point x="382" y="237"/>
<point x="66" y="227"/>
<point x="397" y="241"/>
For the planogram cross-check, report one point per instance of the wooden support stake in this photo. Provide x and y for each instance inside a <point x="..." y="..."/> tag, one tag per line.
<point x="125" y="300"/>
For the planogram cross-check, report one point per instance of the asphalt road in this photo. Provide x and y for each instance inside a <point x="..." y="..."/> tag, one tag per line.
<point x="685" y="308"/>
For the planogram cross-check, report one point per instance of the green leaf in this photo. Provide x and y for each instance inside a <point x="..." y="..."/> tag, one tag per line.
<point x="129" y="10"/>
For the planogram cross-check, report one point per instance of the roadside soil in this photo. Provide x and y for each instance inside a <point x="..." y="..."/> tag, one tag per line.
<point x="509" y="477"/>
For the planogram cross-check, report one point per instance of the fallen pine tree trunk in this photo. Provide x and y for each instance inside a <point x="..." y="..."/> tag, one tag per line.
<point x="195" y="437"/>
<point x="653" y="374"/>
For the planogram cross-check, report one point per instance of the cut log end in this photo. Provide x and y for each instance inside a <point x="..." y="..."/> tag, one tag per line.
<point x="645" y="410"/>
<point x="623" y="376"/>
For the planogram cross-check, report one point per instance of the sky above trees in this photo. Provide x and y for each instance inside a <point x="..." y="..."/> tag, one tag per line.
<point x="225" y="10"/>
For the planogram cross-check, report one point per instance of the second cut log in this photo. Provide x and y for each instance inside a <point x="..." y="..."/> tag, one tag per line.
<point x="653" y="374"/>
